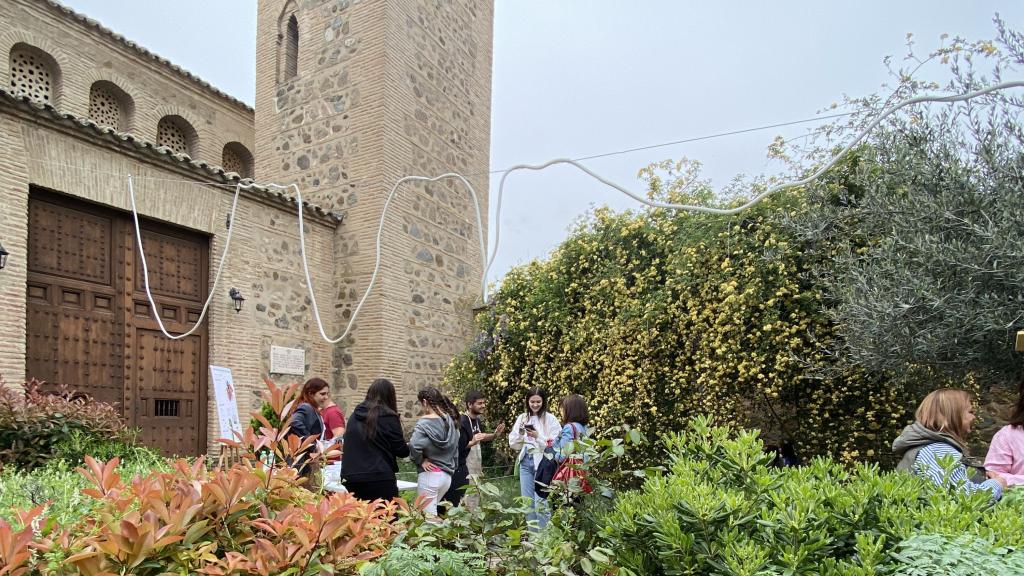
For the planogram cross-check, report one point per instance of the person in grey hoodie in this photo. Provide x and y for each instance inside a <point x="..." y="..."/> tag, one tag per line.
<point x="434" y="446"/>
<point x="942" y="421"/>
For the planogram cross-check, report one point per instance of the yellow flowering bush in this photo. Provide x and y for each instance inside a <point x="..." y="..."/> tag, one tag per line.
<point x="656" y="316"/>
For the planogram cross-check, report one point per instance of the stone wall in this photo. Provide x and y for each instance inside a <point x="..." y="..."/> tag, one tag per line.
<point x="386" y="89"/>
<point x="262" y="262"/>
<point x="84" y="54"/>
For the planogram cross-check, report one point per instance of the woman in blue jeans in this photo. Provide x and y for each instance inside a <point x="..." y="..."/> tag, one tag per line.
<point x="534" y="431"/>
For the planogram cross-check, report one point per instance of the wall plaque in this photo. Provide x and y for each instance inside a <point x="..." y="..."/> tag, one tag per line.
<point x="287" y="360"/>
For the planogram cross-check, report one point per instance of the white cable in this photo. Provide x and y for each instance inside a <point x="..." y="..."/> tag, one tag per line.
<point x="757" y="199"/>
<point x="486" y="263"/>
<point x="145" y="267"/>
<point x="380" y="234"/>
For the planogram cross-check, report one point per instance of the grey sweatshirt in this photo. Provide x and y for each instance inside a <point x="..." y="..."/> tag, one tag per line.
<point x="917" y="436"/>
<point x="437" y="440"/>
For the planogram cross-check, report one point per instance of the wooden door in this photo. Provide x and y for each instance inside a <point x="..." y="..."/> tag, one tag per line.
<point x="90" y="324"/>
<point x="166" y="385"/>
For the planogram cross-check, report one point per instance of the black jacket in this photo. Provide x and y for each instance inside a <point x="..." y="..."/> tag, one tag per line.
<point x="465" y="436"/>
<point x="305" y="422"/>
<point x="372" y="459"/>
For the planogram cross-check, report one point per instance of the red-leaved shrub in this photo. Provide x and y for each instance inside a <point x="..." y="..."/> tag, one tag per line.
<point x="33" y="422"/>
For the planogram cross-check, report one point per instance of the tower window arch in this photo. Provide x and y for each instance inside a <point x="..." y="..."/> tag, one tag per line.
<point x="34" y="73"/>
<point x="110" y="106"/>
<point x="237" y="158"/>
<point x="288" y="44"/>
<point x="177" y="134"/>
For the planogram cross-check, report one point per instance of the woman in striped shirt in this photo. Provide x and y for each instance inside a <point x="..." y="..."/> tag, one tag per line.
<point x="942" y="422"/>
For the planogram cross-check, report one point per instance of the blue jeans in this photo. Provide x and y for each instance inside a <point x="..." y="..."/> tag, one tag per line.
<point x="538" y="505"/>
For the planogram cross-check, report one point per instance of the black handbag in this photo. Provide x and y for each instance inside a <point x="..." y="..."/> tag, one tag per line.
<point x="545" y="473"/>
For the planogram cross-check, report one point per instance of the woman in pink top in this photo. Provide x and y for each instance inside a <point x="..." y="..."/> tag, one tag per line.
<point x="1006" y="452"/>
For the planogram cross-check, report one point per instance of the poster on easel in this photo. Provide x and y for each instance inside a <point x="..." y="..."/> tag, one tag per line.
<point x="227" y="407"/>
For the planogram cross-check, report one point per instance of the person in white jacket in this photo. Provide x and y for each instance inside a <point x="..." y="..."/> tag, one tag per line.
<point x="534" y="431"/>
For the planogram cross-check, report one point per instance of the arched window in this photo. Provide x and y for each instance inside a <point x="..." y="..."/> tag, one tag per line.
<point x="237" y="158"/>
<point x="34" y="73"/>
<point x="288" y="44"/>
<point x="176" y="133"/>
<point x="110" y="106"/>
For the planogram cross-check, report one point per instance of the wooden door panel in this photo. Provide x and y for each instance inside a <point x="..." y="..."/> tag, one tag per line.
<point x="166" y="383"/>
<point x="88" y="357"/>
<point x="75" y="329"/>
<point x="70" y="243"/>
<point x="176" y="266"/>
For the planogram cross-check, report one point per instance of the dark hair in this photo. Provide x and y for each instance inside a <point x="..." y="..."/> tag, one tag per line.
<point x="310" y="388"/>
<point x="574" y="407"/>
<point x="1017" y="414"/>
<point x="543" y="400"/>
<point x="438" y="402"/>
<point x="380" y="399"/>
<point x="472" y="396"/>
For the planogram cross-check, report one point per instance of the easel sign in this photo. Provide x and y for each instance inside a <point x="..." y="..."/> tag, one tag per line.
<point x="227" y="407"/>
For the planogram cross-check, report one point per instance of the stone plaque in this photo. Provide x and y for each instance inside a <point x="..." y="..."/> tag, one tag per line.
<point x="287" y="360"/>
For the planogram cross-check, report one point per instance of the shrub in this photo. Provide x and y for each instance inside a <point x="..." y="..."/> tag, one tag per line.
<point x="249" y="519"/>
<point x="34" y="423"/>
<point x="78" y="444"/>
<point x="929" y="554"/>
<point x="57" y="487"/>
<point x="426" y="561"/>
<point x="497" y="531"/>
<point x="721" y="510"/>
<point x="658" y="316"/>
<point x="191" y="520"/>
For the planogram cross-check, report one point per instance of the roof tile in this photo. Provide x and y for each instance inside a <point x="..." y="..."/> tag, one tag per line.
<point x="146" y="53"/>
<point x="202" y="169"/>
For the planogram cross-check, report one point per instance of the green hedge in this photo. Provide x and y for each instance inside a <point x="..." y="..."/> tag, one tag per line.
<point x="720" y="509"/>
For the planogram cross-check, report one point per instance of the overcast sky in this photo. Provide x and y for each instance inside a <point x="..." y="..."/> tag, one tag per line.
<point x="582" y="77"/>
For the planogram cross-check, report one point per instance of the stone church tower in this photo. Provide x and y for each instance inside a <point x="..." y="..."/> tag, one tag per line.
<point x="351" y="95"/>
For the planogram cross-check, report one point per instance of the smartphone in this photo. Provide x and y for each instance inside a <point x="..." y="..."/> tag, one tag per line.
<point x="529" y="427"/>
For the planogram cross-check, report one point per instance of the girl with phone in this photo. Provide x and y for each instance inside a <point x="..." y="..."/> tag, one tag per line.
<point x="533" y="432"/>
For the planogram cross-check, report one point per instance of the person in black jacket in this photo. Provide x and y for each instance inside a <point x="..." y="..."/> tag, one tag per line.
<point x="373" y="442"/>
<point x="306" y="422"/>
<point x="470" y="459"/>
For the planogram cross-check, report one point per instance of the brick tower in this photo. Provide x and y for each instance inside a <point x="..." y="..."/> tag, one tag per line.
<point x="351" y="95"/>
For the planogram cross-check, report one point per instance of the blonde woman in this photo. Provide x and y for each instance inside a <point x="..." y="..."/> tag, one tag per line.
<point x="942" y="422"/>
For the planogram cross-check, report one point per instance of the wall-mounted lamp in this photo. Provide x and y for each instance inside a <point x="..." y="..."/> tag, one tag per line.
<point x="3" y="257"/>
<point x="236" y="296"/>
